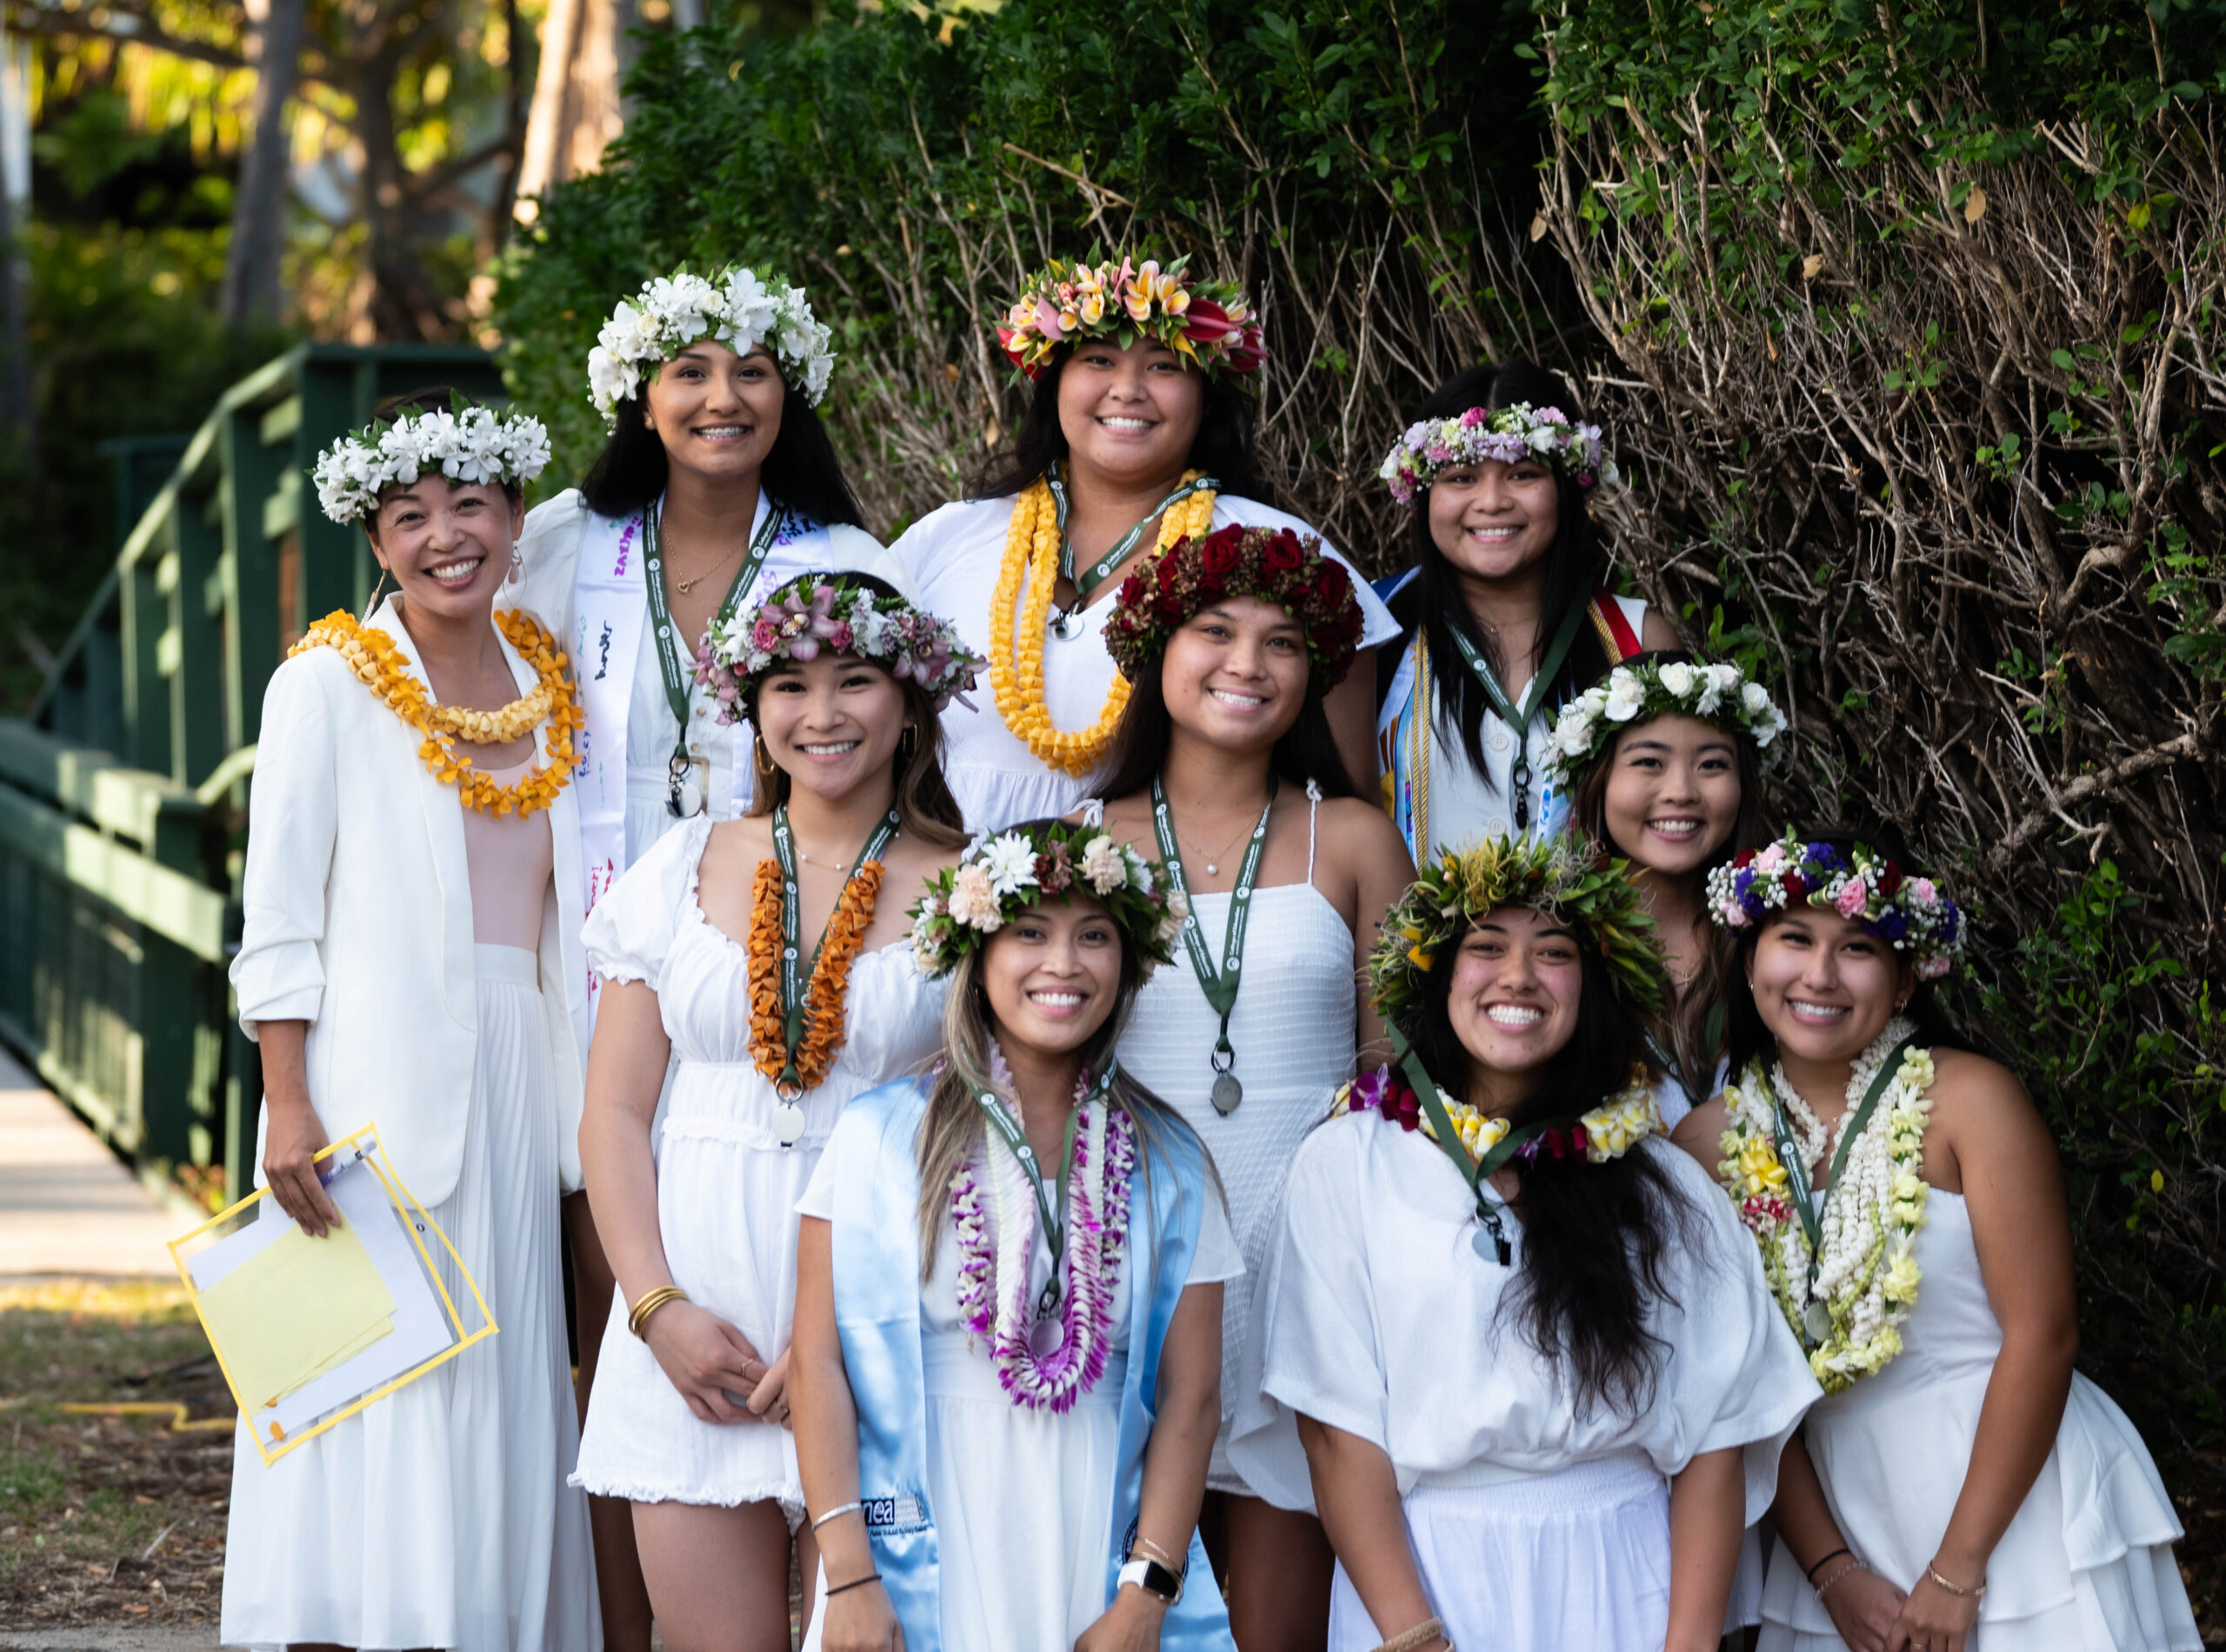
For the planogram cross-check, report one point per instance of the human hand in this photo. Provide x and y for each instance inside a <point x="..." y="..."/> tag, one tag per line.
<point x="706" y="1359"/>
<point x="1130" y="1624"/>
<point x="769" y="1399"/>
<point x="1864" y="1607"/>
<point x="292" y="1140"/>
<point x="1933" y="1620"/>
<point x="861" y="1620"/>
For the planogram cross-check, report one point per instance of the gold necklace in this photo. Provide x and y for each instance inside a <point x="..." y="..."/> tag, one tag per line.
<point x="685" y="586"/>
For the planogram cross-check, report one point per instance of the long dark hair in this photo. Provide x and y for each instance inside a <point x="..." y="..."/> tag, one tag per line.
<point x="925" y="807"/>
<point x="1307" y="750"/>
<point x="1596" y="1237"/>
<point x="1683" y="1033"/>
<point x="801" y="470"/>
<point x="1222" y="448"/>
<point x="1748" y="1040"/>
<point x="1574" y="563"/>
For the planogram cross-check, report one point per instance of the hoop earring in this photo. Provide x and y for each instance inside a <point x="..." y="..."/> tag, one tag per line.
<point x="907" y="744"/>
<point x="766" y="767"/>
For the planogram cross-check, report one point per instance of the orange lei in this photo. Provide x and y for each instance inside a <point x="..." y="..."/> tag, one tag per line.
<point x="830" y="976"/>
<point x="382" y="668"/>
<point x="1017" y="649"/>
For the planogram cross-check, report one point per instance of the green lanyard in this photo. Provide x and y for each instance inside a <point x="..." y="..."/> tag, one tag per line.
<point x="1050" y="1208"/>
<point x="1491" y="1236"/>
<point x="1089" y="579"/>
<point x="1809" y="1203"/>
<point x="678" y="680"/>
<point x="794" y="971"/>
<point x="1518" y="718"/>
<point x="1218" y="984"/>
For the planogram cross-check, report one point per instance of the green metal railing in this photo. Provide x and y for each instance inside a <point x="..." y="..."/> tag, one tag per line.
<point x="123" y="794"/>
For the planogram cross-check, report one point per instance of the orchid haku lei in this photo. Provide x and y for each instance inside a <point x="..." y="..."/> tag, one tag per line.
<point x="816" y="611"/>
<point x="1560" y="876"/>
<point x="1909" y="913"/>
<point x="462" y="441"/>
<point x="735" y="307"/>
<point x="1849" y="1315"/>
<point x="997" y="1247"/>
<point x="1718" y="693"/>
<point x="1000" y="877"/>
<point x="1608" y="1131"/>
<point x="1211" y="323"/>
<point x="1509" y="434"/>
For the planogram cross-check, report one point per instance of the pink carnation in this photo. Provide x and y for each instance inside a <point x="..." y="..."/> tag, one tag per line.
<point x="1854" y="897"/>
<point x="1922" y="892"/>
<point x="1769" y="860"/>
<point x="974" y="899"/>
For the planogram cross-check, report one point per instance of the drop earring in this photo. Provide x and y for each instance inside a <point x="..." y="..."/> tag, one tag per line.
<point x="372" y="607"/>
<point x="517" y="563"/>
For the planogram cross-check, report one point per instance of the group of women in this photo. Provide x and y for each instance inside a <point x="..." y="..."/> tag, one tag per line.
<point x="1034" y="1152"/>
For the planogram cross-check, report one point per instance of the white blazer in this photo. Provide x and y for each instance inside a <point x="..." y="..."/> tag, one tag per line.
<point x="358" y="911"/>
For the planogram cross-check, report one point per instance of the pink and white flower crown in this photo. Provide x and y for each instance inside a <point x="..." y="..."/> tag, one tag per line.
<point x="1511" y="433"/>
<point x="816" y="611"/>
<point x="1909" y="913"/>
<point x="999" y="877"/>
<point x="1209" y="322"/>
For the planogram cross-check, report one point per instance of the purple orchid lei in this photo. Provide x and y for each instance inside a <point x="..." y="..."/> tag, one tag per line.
<point x="1098" y="1227"/>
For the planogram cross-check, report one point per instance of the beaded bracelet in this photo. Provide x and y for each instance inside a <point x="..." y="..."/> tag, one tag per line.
<point x="1970" y="1594"/>
<point x="649" y="1304"/>
<point x="1854" y="1564"/>
<point x="1431" y="1629"/>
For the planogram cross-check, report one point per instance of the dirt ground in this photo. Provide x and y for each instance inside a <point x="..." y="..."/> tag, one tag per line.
<point x="108" y="1519"/>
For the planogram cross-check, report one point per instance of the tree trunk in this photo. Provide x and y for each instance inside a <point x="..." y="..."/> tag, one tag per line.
<point x="576" y="105"/>
<point x="251" y="292"/>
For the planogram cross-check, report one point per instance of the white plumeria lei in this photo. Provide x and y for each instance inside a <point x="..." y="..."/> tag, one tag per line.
<point x="735" y="307"/>
<point x="1717" y="692"/>
<point x="464" y="443"/>
<point x="1867" y="1276"/>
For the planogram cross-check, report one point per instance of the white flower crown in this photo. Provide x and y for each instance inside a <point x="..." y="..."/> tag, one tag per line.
<point x="735" y="307"/>
<point x="464" y="443"/>
<point x="1718" y="693"/>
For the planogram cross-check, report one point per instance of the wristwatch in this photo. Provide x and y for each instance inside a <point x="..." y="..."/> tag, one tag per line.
<point x="1153" y="1578"/>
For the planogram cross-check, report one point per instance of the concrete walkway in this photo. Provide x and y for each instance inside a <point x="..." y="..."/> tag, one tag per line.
<point x="67" y="1205"/>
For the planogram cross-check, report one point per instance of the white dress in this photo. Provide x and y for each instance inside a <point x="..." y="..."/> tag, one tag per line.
<point x="1293" y="1030"/>
<point x="953" y="557"/>
<point x="1023" y="1500"/>
<point x="1535" y="1525"/>
<point x="726" y="1187"/>
<point x="2086" y="1565"/>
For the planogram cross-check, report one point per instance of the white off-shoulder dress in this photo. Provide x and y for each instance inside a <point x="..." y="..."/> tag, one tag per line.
<point x="727" y="1188"/>
<point x="2086" y="1565"/>
<point x="1293" y="1030"/>
<point x="1536" y="1527"/>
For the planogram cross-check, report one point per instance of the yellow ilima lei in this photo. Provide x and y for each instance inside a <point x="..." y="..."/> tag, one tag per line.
<point x="1016" y="651"/>
<point x="382" y="668"/>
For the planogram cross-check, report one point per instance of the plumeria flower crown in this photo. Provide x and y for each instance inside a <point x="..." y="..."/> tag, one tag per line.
<point x="1717" y="692"/>
<point x="1271" y="563"/>
<point x="1002" y="875"/>
<point x="736" y="307"/>
<point x="1507" y="434"/>
<point x="1910" y="914"/>
<point x="1211" y="323"/>
<point x="817" y="611"/>
<point x="463" y="442"/>
<point x="1592" y="894"/>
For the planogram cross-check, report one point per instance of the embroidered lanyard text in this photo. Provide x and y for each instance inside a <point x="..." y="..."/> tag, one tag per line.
<point x="1087" y="580"/>
<point x="1809" y="1203"/>
<point x="678" y="680"/>
<point x="1050" y="1206"/>
<point x="1474" y="1172"/>
<point x="794" y="971"/>
<point x="1519" y="718"/>
<point x="1218" y="984"/>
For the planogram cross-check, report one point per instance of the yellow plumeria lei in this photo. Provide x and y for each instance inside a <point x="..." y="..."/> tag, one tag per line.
<point x="1016" y="637"/>
<point x="382" y="668"/>
<point x="1849" y="1319"/>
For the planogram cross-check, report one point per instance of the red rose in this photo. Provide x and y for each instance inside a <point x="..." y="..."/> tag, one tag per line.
<point x="1166" y="574"/>
<point x="1330" y="585"/>
<point x="1745" y="857"/>
<point x="1890" y="881"/>
<point x="1796" y="887"/>
<point x="1169" y="610"/>
<point x="1283" y="554"/>
<point x="1132" y="592"/>
<point x="1221" y="557"/>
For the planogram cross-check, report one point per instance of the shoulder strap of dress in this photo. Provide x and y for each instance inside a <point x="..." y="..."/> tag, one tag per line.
<point x="1313" y="813"/>
<point x="1616" y="634"/>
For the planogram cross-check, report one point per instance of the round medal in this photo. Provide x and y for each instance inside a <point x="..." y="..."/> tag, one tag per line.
<point x="1816" y="1321"/>
<point x="1044" y="1340"/>
<point x="1227" y="1093"/>
<point x="788" y="1124"/>
<point x="1484" y="1245"/>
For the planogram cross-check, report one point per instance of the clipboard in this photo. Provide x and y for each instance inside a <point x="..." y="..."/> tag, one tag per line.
<point x="369" y="1315"/>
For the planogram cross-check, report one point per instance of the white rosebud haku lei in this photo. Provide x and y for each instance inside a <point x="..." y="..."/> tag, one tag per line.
<point x="1717" y="692"/>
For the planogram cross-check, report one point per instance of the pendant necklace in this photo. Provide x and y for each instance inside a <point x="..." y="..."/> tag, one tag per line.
<point x="1219" y="984"/>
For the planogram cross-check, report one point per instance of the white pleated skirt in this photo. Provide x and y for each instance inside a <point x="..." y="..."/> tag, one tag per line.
<point x="438" y="1517"/>
<point x="1545" y="1563"/>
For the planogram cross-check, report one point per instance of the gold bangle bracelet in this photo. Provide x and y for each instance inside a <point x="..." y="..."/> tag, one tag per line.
<point x="649" y="1304"/>
<point x="1970" y="1594"/>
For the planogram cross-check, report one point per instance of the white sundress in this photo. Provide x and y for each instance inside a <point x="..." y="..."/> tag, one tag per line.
<point x="726" y="1187"/>
<point x="1293" y="1030"/>
<point x="2086" y="1564"/>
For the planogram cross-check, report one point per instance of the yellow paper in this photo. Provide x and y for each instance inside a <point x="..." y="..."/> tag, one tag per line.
<point x="296" y="1310"/>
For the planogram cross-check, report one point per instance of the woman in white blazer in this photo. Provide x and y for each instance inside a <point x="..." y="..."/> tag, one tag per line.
<point x="411" y="955"/>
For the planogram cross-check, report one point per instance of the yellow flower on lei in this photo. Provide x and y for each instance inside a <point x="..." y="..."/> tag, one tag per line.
<point x="1756" y="1162"/>
<point x="1902" y="1277"/>
<point x="1621" y="1124"/>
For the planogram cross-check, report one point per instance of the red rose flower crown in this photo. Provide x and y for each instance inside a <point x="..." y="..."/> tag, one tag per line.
<point x="1271" y="563"/>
